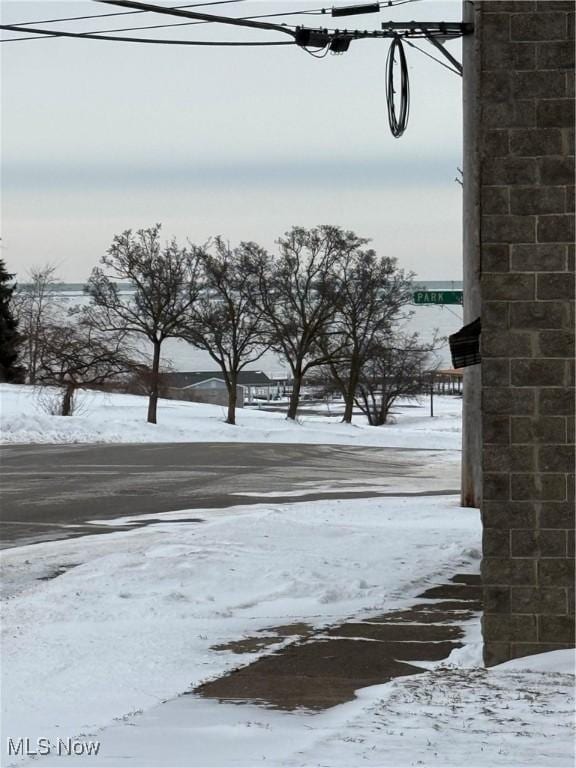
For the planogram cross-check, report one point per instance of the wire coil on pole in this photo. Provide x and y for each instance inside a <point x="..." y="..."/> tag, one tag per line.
<point x="398" y="122"/>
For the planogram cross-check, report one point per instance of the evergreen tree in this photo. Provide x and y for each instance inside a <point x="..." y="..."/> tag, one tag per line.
<point x="9" y="370"/>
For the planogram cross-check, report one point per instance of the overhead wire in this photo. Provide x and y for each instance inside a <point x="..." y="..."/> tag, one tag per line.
<point x="162" y="10"/>
<point x="230" y="20"/>
<point x="123" y="13"/>
<point x="389" y="4"/>
<point x="120" y="29"/>
<point x="194" y="23"/>
<point x="397" y="2"/>
<point x="308" y="12"/>
<point x="175" y="24"/>
<point x="147" y="40"/>
<point x="246" y="22"/>
<point x="317" y="54"/>
<point x="103" y="16"/>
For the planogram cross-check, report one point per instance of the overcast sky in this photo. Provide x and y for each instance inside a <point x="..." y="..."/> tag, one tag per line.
<point x="100" y="137"/>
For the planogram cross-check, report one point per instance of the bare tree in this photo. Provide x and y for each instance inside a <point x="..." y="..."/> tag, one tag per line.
<point x="36" y="307"/>
<point x="397" y="366"/>
<point x="165" y="288"/>
<point x="225" y="321"/>
<point x="373" y="298"/>
<point x="78" y="355"/>
<point x="298" y="294"/>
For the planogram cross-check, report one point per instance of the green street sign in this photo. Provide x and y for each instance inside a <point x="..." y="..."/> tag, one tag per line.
<point x="437" y="297"/>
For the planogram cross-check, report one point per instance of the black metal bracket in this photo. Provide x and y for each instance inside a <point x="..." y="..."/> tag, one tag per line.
<point x="447" y="55"/>
<point x="441" y="30"/>
<point x="435" y="32"/>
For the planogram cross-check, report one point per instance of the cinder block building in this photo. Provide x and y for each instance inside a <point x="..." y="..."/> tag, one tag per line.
<point x="519" y="276"/>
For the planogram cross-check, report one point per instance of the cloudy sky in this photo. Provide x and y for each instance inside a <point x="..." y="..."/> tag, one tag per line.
<point x="100" y="137"/>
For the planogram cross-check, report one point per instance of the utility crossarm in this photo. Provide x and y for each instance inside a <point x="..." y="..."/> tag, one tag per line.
<point x="436" y="32"/>
<point x="442" y="30"/>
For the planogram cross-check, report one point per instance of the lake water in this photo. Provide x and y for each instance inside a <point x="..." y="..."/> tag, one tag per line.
<point x="181" y="356"/>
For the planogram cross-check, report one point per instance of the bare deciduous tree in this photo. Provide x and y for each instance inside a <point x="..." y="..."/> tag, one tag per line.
<point x="373" y="298"/>
<point x="397" y="366"/>
<point x="78" y="355"/>
<point x="36" y="307"/>
<point x="298" y="294"/>
<point x="224" y="321"/>
<point x="165" y="288"/>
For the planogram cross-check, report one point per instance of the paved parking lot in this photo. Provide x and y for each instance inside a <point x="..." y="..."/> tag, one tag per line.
<point x="52" y="491"/>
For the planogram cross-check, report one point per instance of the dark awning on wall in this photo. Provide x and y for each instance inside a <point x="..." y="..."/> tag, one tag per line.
<point x="465" y="345"/>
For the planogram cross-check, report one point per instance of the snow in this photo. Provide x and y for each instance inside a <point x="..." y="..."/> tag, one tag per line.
<point x="447" y="717"/>
<point x="114" y="418"/>
<point x="102" y="634"/>
<point x="556" y="661"/>
<point x="131" y="621"/>
<point x="129" y="625"/>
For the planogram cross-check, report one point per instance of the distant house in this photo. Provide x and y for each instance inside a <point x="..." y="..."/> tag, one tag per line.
<point x="210" y="386"/>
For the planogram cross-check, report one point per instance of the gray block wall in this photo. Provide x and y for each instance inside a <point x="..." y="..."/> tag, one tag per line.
<point x="524" y="156"/>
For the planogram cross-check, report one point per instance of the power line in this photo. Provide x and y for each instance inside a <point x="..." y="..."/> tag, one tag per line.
<point x="145" y="7"/>
<point x="385" y="4"/>
<point x="103" y="16"/>
<point x="241" y="18"/>
<point x="227" y="19"/>
<point x="147" y="40"/>
<point x="196" y="15"/>
<point x="317" y="55"/>
<point x="174" y="24"/>
<point x="308" y="12"/>
<point x="122" y="13"/>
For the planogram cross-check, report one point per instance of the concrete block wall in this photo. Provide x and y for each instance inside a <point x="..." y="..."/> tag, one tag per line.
<point x="525" y="176"/>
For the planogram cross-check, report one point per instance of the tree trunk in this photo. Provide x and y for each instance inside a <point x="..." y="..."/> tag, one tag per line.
<point x="295" y="396"/>
<point x="350" y="392"/>
<point x="379" y="416"/>
<point x="32" y="364"/>
<point x="153" y="400"/>
<point x="67" y="400"/>
<point x="371" y="408"/>
<point x="232" y="395"/>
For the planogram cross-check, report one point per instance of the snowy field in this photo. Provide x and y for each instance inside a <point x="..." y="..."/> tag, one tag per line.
<point x="112" y="418"/>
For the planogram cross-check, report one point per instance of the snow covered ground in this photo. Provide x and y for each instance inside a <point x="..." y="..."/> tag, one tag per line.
<point x="112" y="418"/>
<point x="129" y="623"/>
<point x="101" y="634"/>
<point x="515" y="715"/>
<point x="132" y="620"/>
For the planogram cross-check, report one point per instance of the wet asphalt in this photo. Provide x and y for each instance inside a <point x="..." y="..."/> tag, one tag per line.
<point x="57" y="491"/>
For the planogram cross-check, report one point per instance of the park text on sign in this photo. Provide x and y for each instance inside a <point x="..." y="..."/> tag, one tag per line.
<point x="438" y="297"/>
